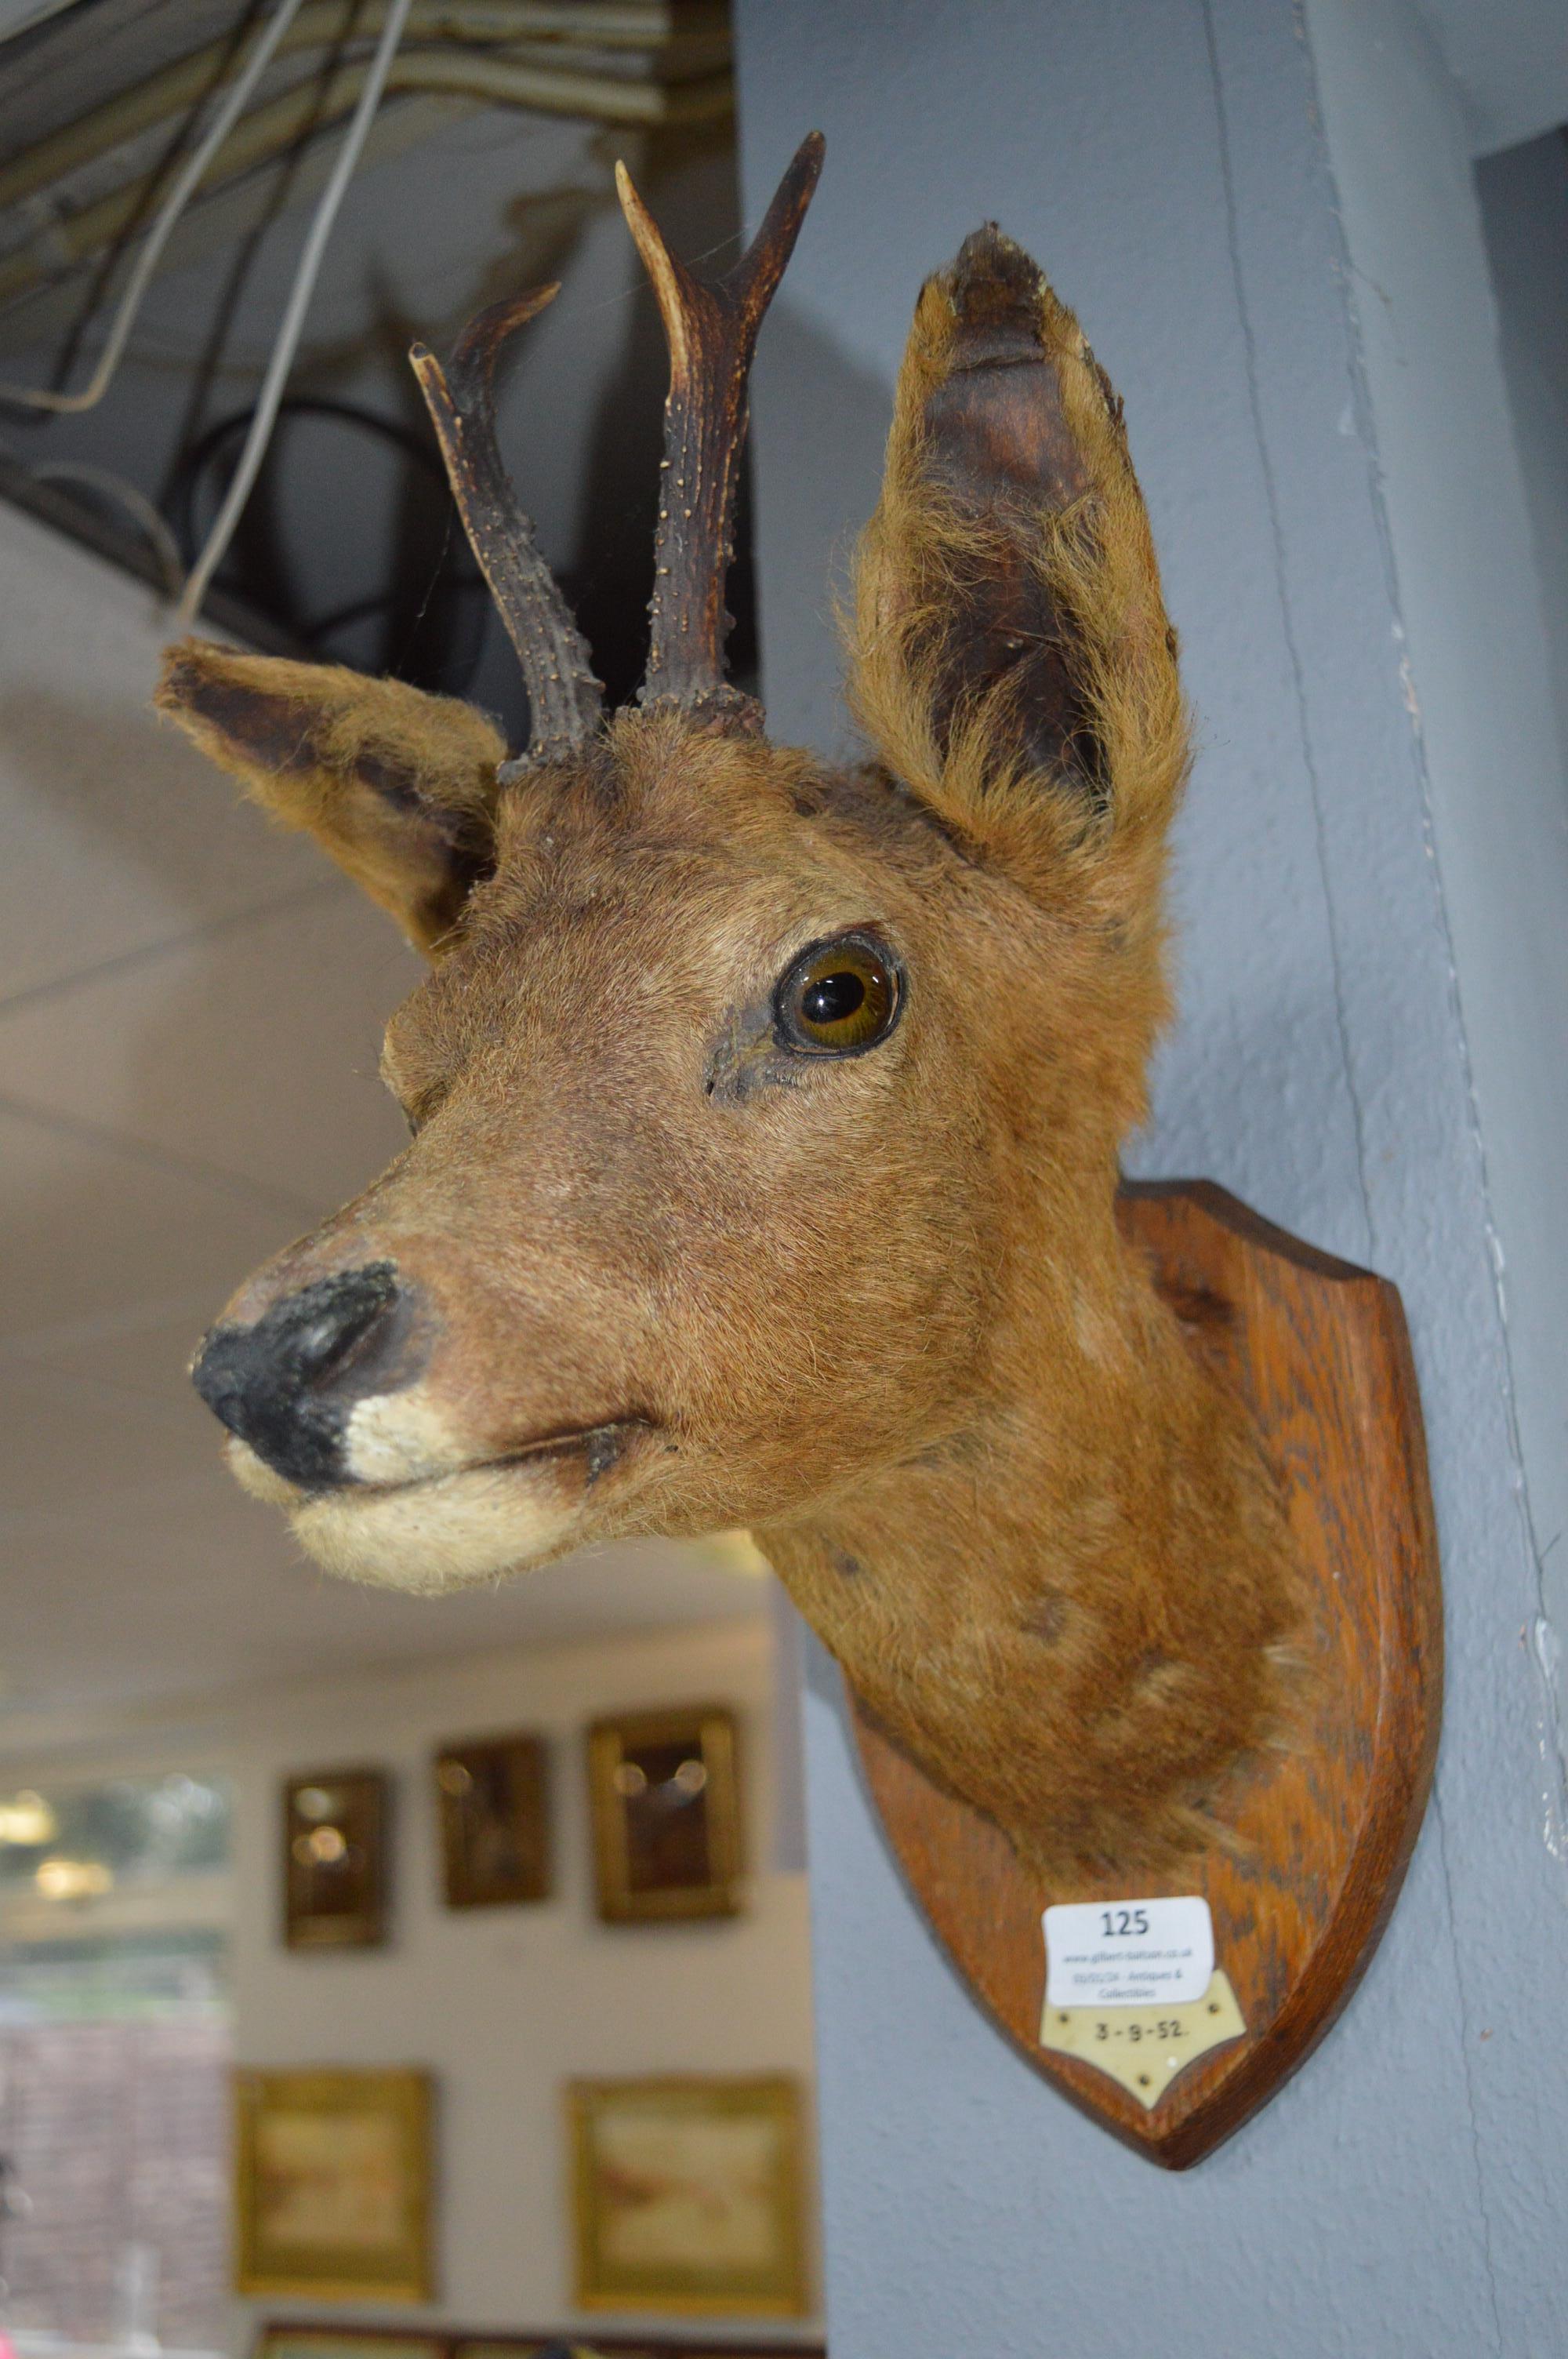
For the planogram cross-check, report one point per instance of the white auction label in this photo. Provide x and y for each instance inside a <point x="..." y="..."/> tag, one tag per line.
<point x="1127" y="1952"/>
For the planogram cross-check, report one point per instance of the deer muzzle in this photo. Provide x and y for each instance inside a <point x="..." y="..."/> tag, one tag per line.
<point x="288" y="1384"/>
<point x="329" y="1394"/>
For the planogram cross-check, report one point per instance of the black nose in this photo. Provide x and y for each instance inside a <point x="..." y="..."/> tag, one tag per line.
<point x="287" y="1384"/>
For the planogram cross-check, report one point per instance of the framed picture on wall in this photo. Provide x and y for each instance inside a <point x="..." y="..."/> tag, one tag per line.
<point x="667" y="1814"/>
<point x="496" y="1831"/>
<point x="687" y="2195"/>
<point x="571" y="2345"/>
<point x="334" y="1859"/>
<point x="279" y="2342"/>
<point x="568" y="2344"/>
<point x="555" y="2346"/>
<point x="332" y="2184"/>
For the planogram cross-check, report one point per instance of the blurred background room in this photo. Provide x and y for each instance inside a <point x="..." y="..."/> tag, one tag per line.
<point x="487" y="1973"/>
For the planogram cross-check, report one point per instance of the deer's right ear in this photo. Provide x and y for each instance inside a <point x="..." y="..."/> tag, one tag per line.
<point x="398" y="785"/>
<point x="1011" y="658"/>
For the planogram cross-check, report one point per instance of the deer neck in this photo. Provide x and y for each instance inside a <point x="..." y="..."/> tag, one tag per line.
<point x="1074" y="1608"/>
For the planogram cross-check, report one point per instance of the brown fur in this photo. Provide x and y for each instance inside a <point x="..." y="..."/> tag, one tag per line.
<point x="397" y="786"/>
<point x="876" y="1309"/>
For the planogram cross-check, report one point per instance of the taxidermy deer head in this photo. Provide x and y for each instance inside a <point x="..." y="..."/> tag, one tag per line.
<point x="765" y="1116"/>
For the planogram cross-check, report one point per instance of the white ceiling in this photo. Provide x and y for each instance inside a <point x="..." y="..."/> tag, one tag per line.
<point x="191" y="1010"/>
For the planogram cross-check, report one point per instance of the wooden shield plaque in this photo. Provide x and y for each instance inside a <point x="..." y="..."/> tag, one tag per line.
<point x="1319" y="1351"/>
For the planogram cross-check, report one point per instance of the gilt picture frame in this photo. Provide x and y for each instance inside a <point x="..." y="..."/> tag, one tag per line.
<point x="590" y="2343"/>
<point x="689" y="2195"/>
<point x="277" y="2339"/>
<point x="335" y="1824"/>
<point x="666" y="1794"/>
<point x="567" y="2345"/>
<point x="332" y="2184"/>
<point x="493" y="1796"/>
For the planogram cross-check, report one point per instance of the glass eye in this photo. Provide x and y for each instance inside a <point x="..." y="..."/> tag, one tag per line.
<point x="839" y="997"/>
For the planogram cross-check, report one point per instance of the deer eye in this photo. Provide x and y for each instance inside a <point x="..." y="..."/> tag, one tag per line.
<point x="840" y="997"/>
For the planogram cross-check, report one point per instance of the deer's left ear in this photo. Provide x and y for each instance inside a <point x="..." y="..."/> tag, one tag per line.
<point x="1011" y="658"/>
<point x="399" y="786"/>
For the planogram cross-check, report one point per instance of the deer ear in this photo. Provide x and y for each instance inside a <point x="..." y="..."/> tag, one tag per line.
<point x="399" y="786"/>
<point x="1011" y="658"/>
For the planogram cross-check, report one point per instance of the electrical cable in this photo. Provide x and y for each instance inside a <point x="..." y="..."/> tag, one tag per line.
<point x="207" y="448"/>
<point x="180" y="196"/>
<point x="292" y="322"/>
<point x="129" y="497"/>
<point x="674" y="49"/>
<point x="453" y="572"/>
<point x="135" y="501"/>
<point x="311" y="106"/>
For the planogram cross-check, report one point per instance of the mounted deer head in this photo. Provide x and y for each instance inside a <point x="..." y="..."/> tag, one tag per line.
<point x="766" y="1115"/>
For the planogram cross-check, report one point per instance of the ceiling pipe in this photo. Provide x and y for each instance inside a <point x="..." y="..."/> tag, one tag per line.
<point x="683" y="43"/>
<point x="313" y="108"/>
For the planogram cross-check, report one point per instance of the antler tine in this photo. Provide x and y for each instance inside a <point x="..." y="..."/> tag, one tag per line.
<point x="711" y="329"/>
<point x="565" y="700"/>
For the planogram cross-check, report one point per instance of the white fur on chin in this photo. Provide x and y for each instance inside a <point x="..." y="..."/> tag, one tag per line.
<point x="451" y="1533"/>
<point x="400" y="1436"/>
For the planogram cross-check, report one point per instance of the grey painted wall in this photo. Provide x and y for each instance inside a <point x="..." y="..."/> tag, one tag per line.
<point x="1468" y="593"/>
<point x="1509" y="58"/>
<point x="1524" y="215"/>
<point x="1164" y="158"/>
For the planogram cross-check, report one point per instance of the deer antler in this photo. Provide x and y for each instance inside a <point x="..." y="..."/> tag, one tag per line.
<point x="711" y="329"/>
<point x="565" y="700"/>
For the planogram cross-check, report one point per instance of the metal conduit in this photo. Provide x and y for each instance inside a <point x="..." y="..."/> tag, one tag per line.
<point x="313" y="107"/>
<point x="683" y="44"/>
